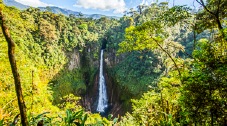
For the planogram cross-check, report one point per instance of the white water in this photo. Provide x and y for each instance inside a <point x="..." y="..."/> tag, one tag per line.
<point x="102" y="101"/>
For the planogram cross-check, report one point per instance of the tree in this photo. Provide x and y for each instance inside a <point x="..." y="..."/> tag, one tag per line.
<point x="204" y="95"/>
<point x="215" y="11"/>
<point x="11" y="50"/>
<point x="149" y="35"/>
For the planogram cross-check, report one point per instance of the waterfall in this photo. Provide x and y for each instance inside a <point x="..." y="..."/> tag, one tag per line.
<point x="102" y="98"/>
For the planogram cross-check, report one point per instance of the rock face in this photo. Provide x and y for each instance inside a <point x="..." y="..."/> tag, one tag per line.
<point x="74" y="60"/>
<point x="89" y="66"/>
<point x="114" y="93"/>
<point x="89" y="101"/>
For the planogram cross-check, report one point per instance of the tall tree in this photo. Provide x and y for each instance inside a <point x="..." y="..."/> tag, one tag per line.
<point x="215" y="11"/>
<point x="17" y="81"/>
<point x="148" y="36"/>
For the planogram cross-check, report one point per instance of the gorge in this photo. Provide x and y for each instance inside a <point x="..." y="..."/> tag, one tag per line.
<point x="158" y="65"/>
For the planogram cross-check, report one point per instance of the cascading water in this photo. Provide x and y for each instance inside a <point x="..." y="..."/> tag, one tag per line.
<point x="102" y="99"/>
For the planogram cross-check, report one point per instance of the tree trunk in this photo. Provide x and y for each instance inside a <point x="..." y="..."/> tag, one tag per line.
<point x="17" y="82"/>
<point x="194" y="37"/>
<point x="220" y="28"/>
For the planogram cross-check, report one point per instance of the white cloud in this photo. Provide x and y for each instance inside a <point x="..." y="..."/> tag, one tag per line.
<point x="33" y="3"/>
<point x="118" y="6"/>
<point x="144" y="2"/>
<point x="147" y="2"/>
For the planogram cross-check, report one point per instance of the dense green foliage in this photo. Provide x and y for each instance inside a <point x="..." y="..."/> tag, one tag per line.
<point x="170" y="63"/>
<point x="44" y="45"/>
<point x="136" y="72"/>
<point x="193" y="91"/>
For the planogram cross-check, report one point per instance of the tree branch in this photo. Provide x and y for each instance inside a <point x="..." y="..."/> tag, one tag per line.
<point x="17" y="82"/>
<point x="169" y="57"/>
<point x="215" y="15"/>
<point x="204" y="6"/>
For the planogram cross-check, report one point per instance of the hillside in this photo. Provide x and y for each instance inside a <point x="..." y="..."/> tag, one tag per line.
<point x="15" y="4"/>
<point x="56" y="10"/>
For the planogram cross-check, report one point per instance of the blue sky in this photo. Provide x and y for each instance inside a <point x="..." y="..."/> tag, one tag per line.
<point x="106" y="7"/>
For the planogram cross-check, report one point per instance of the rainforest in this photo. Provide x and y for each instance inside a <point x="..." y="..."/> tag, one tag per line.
<point x="158" y="65"/>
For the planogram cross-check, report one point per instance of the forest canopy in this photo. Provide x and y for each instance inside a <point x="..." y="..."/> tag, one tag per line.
<point x="168" y="66"/>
